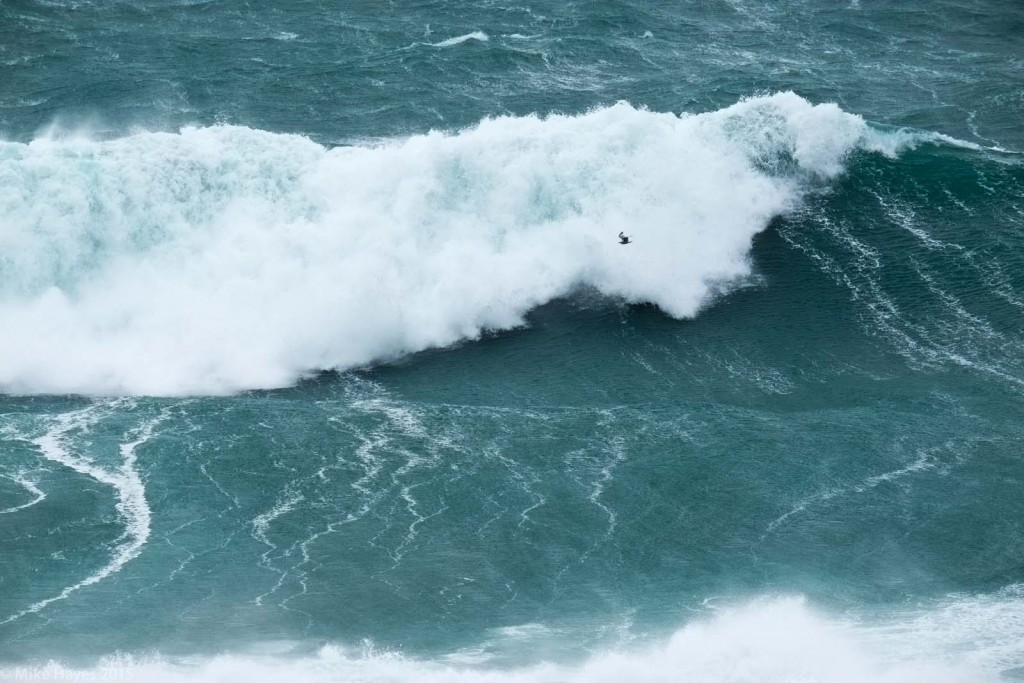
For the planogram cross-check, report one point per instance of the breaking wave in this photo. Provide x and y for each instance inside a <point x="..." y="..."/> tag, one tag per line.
<point x="222" y="259"/>
<point x="969" y="640"/>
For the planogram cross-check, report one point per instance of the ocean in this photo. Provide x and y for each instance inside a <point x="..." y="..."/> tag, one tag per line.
<point x="320" y="359"/>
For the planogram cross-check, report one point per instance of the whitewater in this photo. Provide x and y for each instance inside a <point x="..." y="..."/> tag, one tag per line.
<point x="321" y="361"/>
<point x="772" y="640"/>
<point x="221" y="259"/>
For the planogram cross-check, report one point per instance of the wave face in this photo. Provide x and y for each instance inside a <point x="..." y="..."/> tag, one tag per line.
<point x="222" y="259"/>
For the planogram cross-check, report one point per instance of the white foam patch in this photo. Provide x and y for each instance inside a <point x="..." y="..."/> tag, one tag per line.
<point x="478" y="36"/>
<point x="222" y="259"/>
<point x="892" y="142"/>
<point x="770" y="641"/>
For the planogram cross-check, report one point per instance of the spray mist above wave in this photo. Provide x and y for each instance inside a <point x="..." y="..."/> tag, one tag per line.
<point x="221" y="259"/>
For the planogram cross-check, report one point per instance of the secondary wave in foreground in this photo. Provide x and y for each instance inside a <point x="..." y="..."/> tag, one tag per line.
<point x="777" y="640"/>
<point x="222" y="259"/>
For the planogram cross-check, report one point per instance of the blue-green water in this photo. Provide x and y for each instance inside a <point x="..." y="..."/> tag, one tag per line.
<point x="321" y="360"/>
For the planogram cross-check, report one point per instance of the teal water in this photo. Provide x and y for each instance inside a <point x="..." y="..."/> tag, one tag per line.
<point x="320" y="359"/>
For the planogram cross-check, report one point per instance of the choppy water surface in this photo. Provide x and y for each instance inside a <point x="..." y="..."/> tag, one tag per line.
<point x="320" y="359"/>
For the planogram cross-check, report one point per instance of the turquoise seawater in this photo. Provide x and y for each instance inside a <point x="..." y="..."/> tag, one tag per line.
<point x="320" y="359"/>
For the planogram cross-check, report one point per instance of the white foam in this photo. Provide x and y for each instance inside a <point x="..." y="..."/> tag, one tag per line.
<point x="131" y="503"/>
<point x="769" y="641"/>
<point x="222" y="259"/>
<point x="478" y="36"/>
<point x="261" y="527"/>
<point x="38" y="494"/>
<point x="892" y="142"/>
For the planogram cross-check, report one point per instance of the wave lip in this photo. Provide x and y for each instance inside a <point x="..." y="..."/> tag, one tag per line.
<point x="222" y="259"/>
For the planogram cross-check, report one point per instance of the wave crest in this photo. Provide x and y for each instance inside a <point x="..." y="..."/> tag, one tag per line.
<point x="221" y="259"/>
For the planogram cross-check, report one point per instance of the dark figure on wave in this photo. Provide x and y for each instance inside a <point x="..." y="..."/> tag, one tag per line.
<point x="623" y="238"/>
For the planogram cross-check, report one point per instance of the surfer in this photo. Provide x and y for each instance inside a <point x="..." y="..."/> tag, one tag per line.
<point x="623" y="238"/>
